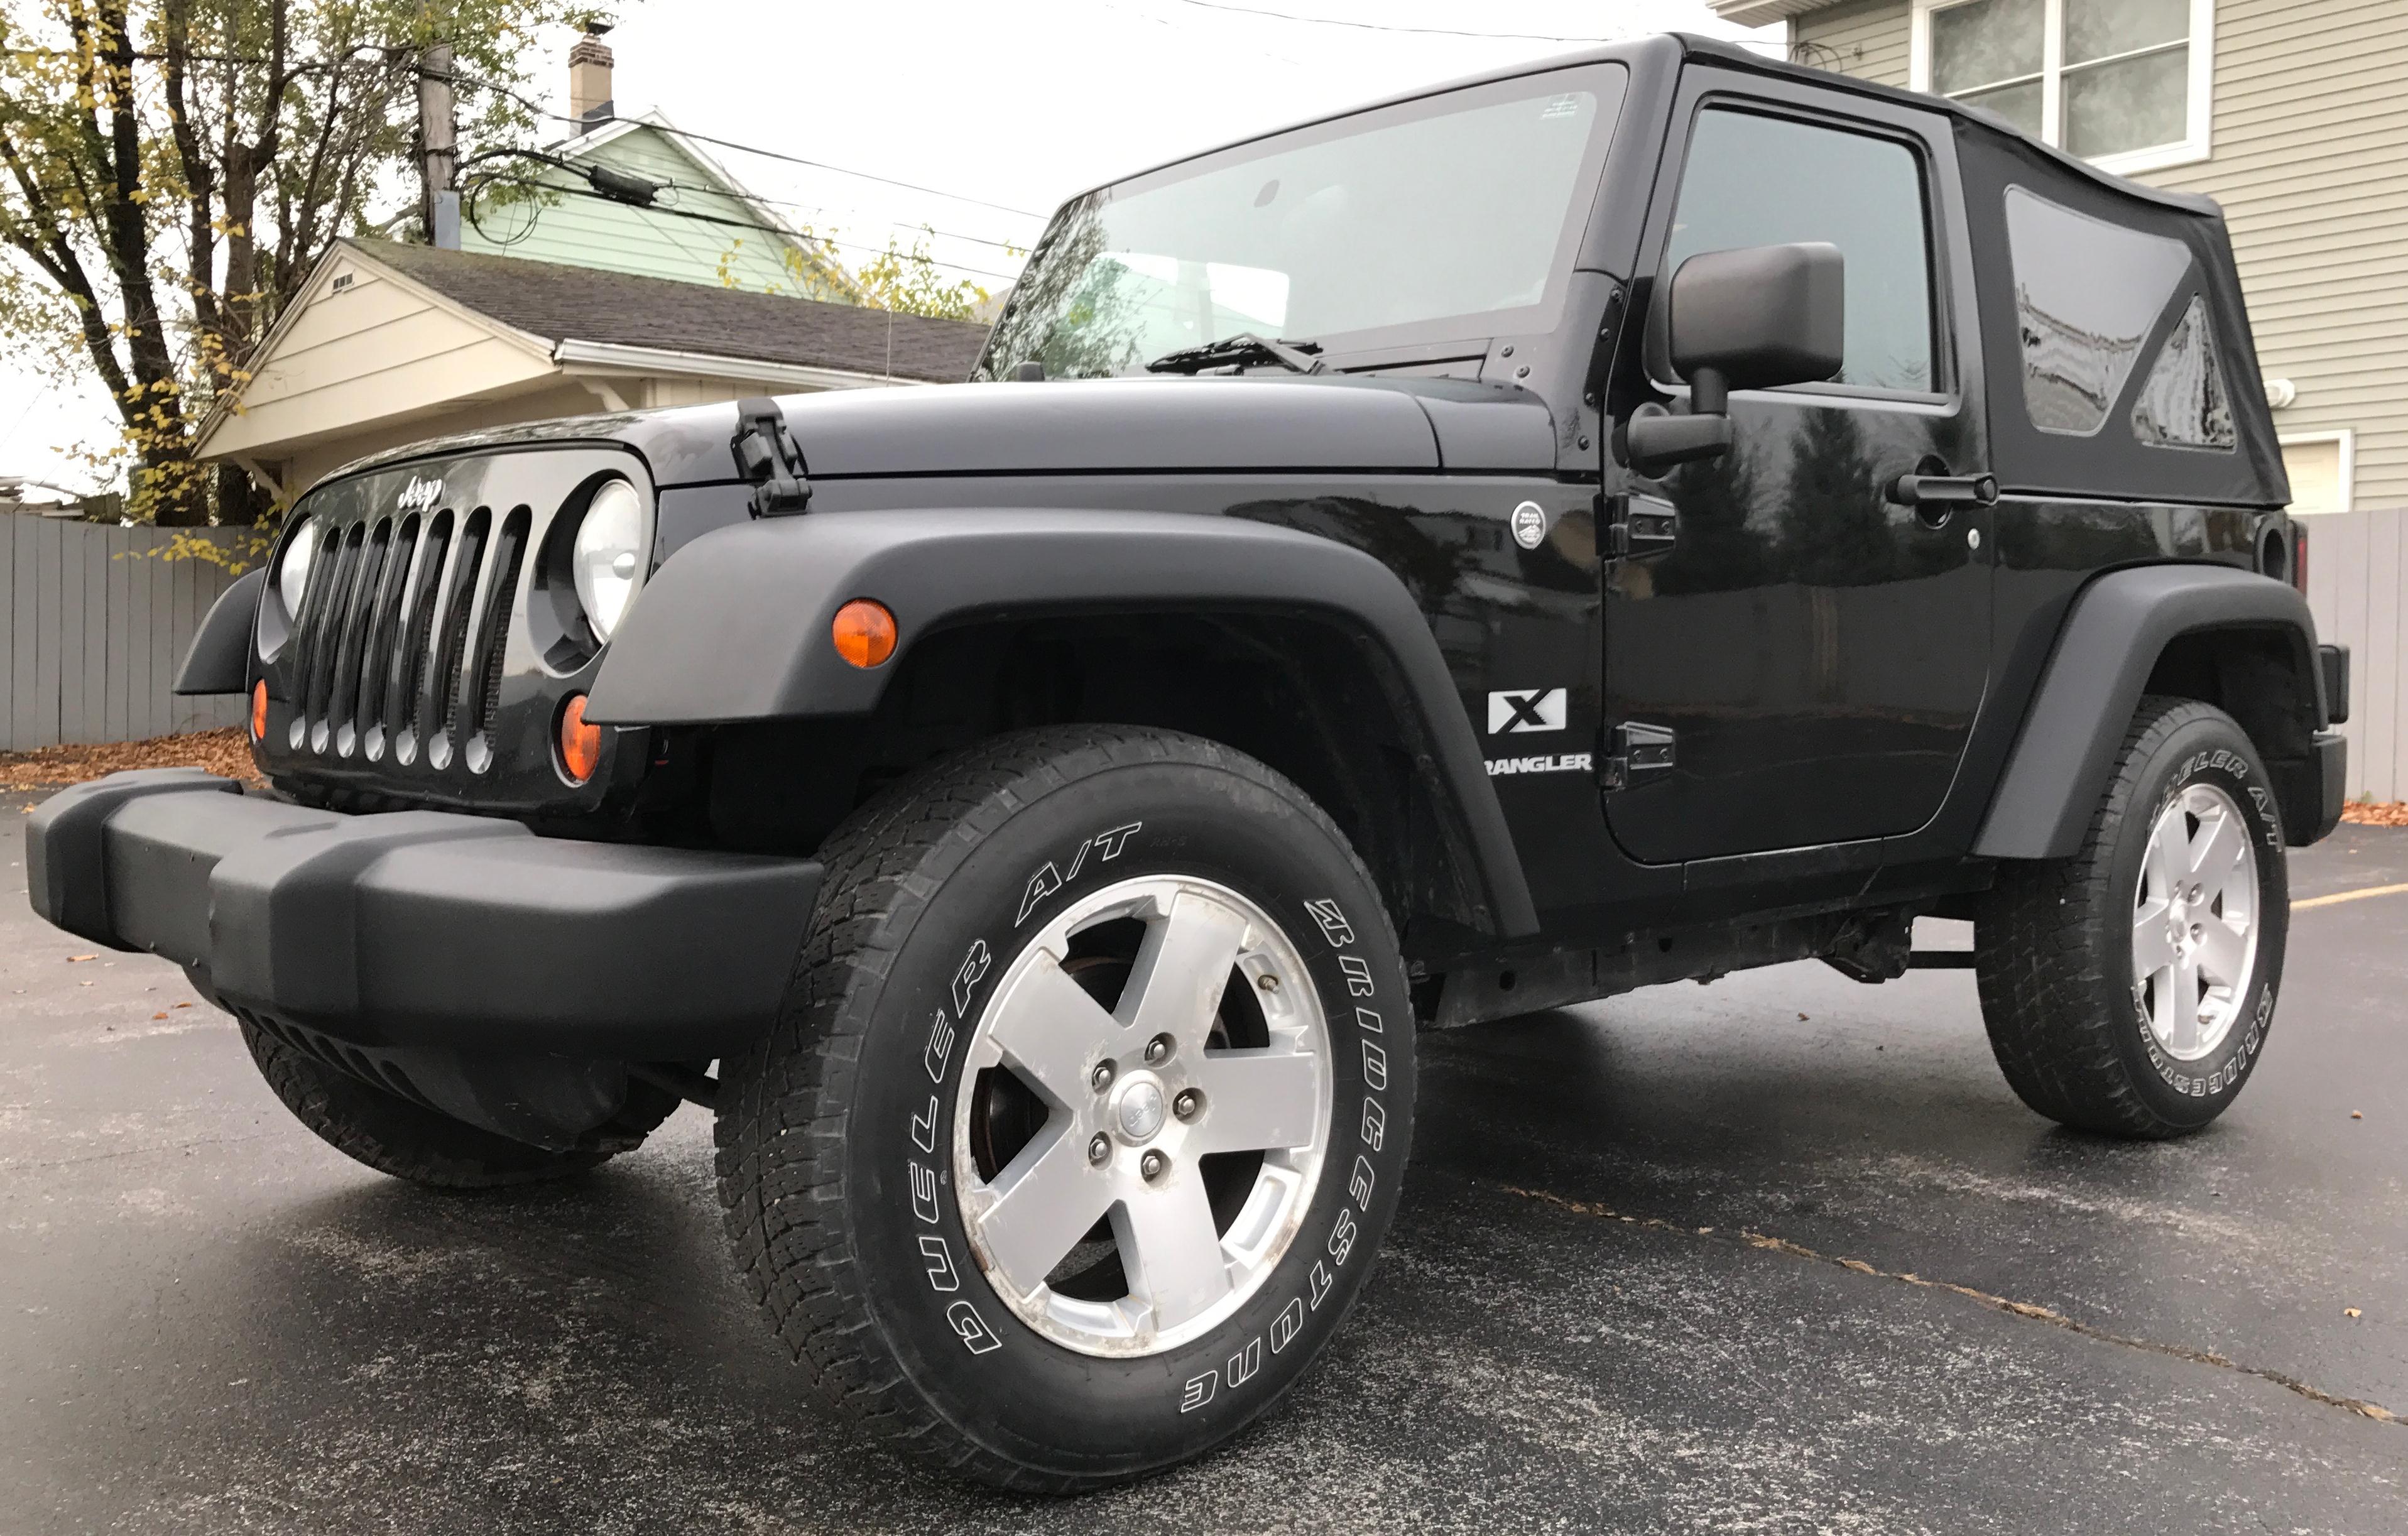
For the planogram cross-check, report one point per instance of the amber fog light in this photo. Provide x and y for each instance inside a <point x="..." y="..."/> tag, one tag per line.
<point x="864" y="632"/>
<point x="259" y="710"/>
<point x="580" y="744"/>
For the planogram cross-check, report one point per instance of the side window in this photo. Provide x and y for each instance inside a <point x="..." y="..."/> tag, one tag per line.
<point x="2088" y="293"/>
<point x="2181" y="404"/>
<point x="1753" y="180"/>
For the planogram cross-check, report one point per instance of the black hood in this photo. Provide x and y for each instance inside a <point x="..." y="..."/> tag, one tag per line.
<point x="1142" y="425"/>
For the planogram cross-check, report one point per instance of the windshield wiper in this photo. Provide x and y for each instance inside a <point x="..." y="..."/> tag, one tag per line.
<point x="1244" y="347"/>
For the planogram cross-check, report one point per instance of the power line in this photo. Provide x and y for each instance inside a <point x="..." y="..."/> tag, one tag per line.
<point x="750" y="196"/>
<point x="771" y="229"/>
<point x="1382" y="26"/>
<point x="748" y="149"/>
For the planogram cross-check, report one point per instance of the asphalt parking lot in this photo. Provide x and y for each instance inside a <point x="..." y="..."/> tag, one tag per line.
<point x="1781" y="1254"/>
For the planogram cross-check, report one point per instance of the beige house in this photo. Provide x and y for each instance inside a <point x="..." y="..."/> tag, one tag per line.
<point x="390" y="343"/>
<point x="2292" y="113"/>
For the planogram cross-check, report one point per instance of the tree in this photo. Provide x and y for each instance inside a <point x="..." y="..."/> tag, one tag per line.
<point x="170" y="170"/>
<point x="909" y="282"/>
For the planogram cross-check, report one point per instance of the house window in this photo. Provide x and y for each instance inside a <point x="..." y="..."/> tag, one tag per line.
<point x="2123" y="83"/>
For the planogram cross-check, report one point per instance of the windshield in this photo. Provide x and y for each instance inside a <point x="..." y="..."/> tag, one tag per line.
<point x="1447" y="218"/>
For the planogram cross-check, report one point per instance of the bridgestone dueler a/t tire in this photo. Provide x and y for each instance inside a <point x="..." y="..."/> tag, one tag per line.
<point x="819" y="1154"/>
<point x="394" y="1136"/>
<point x="2053" y="955"/>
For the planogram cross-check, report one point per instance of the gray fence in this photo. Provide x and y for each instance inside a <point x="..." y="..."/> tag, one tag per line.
<point x="2357" y="584"/>
<point x="92" y="626"/>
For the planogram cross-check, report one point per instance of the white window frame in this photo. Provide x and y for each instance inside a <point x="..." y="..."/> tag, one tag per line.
<point x="2196" y="143"/>
<point x="2347" y="437"/>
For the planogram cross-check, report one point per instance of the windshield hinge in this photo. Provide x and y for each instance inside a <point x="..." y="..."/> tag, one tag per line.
<point x="766" y="455"/>
<point x="1636" y="526"/>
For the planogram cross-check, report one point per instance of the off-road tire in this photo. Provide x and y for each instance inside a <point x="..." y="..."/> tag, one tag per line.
<point x="817" y="1138"/>
<point x="394" y="1136"/>
<point x="2053" y="956"/>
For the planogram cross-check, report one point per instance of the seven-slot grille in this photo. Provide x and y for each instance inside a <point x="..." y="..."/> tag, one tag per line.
<point x="398" y="645"/>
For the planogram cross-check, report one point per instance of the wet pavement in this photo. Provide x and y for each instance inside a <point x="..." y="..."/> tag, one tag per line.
<point x="1647" y="1278"/>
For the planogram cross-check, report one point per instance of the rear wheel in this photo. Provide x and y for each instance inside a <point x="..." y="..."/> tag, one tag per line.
<point x="1087" y="1110"/>
<point x="2129" y="989"/>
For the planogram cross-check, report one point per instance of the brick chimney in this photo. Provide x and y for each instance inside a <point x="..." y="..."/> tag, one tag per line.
<point x="589" y="78"/>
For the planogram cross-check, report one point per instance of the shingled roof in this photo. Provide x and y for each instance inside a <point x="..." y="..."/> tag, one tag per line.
<point x="617" y="309"/>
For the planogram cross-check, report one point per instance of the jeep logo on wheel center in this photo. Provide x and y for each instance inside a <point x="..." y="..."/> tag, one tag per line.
<point x="1063" y="953"/>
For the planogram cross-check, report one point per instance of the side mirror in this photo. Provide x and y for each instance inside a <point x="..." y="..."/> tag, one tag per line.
<point x="1753" y="319"/>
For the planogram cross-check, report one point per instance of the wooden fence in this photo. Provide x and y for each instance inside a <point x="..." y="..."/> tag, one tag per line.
<point x="92" y="626"/>
<point x="2357" y="584"/>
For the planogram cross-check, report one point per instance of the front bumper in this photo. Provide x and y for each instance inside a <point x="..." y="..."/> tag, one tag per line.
<point x="424" y="928"/>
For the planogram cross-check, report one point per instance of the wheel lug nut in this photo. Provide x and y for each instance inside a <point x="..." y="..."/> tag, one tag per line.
<point x="1099" y="1148"/>
<point x="1151" y="1165"/>
<point x="1187" y="1104"/>
<point x="1158" y="1049"/>
<point x="2197" y="929"/>
<point x="1268" y="983"/>
<point x="1101" y="1078"/>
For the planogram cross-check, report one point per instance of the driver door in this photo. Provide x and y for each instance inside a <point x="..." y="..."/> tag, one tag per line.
<point x="1815" y="652"/>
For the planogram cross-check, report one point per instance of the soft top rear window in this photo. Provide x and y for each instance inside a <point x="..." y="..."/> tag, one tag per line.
<point x="2088" y="294"/>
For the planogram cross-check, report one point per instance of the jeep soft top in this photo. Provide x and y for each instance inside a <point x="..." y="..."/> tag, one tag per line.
<point x="1604" y="523"/>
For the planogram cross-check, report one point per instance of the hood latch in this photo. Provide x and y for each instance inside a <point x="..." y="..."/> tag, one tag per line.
<point x="766" y="455"/>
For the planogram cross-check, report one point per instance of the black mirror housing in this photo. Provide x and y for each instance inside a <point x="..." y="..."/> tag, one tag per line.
<point x="1758" y="319"/>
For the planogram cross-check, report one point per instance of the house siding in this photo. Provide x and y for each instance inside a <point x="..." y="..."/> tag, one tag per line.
<point x="583" y="231"/>
<point x="2310" y="125"/>
<point x="2311" y="163"/>
<point x="1868" y="40"/>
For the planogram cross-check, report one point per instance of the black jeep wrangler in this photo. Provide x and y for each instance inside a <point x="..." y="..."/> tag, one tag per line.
<point x="1614" y="522"/>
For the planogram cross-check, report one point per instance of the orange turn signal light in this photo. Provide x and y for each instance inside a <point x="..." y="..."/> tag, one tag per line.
<point x="259" y="710"/>
<point x="864" y="632"/>
<point x="580" y="744"/>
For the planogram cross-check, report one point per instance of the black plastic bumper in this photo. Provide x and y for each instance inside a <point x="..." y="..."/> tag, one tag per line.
<point x="2333" y="774"/>
<point x="426" y="928"/>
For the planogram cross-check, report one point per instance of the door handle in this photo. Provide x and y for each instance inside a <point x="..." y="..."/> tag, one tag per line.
<point x="1944" y="493"/>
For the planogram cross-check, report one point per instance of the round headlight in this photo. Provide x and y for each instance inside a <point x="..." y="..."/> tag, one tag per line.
<point x="609" y="556"/>
<point x="292" y="577"/>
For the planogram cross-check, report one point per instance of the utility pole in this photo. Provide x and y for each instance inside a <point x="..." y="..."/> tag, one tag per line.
<point x="438" y="148"/>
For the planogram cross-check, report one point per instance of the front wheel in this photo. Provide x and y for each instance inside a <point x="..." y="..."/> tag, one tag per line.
<point x="1088" y="1107"/>
<point x="2129" y="988"/>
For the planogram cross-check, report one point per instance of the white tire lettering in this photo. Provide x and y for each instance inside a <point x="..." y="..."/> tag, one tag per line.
<point x="1284" y="1326"/>
<point x="970" y="1328"/>
<point x="941" y="1264"/>
<point x="1198" y="1391"/>
<point x="1334" y="925"/>
<point x="924" y="1192"/>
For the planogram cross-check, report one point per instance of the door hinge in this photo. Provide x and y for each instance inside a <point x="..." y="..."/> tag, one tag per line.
<point x="1639" y="526"/>
<point x="766" y="455"/>
<point x="1636" y="753"/>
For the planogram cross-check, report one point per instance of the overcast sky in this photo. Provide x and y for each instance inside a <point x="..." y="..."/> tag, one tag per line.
<point x="1013" y="105"/>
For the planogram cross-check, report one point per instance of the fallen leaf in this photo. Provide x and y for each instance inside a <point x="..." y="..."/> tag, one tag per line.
<point x="2356" y="1115"/>
<point x="1801" y="1018"/>
<point x="73" y="958"/>
<point x="2349" y="1311"/>
<point x="183" y="1005"/>
<point x="158" y="1015"/>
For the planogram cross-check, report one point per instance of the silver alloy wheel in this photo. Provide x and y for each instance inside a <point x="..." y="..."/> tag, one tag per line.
<point x="2195" y="923"/>
<point x="1124" y="1145"/>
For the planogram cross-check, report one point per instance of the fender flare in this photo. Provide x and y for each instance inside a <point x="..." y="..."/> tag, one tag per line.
<point x="218" y="661"/>
<point x="737" y="627"/>
<point x="2119" y="626"/>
